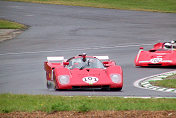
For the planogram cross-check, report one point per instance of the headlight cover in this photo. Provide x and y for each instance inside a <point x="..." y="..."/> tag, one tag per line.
<point x="116" y="78"/>
<point x="64" y="79"/>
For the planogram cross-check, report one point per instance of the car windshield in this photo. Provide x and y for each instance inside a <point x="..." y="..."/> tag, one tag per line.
<point x="88" y="63"/>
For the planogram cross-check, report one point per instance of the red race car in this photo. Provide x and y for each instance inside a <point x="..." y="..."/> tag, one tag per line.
<point x="162" y="54"/>
<point x="83" y="72"/>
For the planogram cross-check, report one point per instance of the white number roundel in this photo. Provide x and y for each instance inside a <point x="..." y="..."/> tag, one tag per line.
<point x="90" y="80"/>
<point x="156" y="60"/>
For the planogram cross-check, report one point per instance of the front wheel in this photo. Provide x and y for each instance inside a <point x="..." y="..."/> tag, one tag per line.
<point x="49" y="84"/>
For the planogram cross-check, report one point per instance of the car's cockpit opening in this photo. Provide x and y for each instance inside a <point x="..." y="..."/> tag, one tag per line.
<point x="82" y="63"/>
<point x="170" y="45"/>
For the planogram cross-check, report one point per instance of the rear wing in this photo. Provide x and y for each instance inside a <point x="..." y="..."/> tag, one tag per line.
<point x="53" y="62"/>
<point x="102" y="57"/>
<point x="55" y="59"/>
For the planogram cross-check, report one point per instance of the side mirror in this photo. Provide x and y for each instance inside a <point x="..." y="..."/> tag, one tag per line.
<point x="141" y="48"/>
<point x="105" y="62"/>
<point x="65" y="63"/>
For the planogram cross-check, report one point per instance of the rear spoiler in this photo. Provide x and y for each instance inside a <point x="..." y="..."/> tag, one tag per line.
<point x="54" y="59"/>
<point x="102" y="57"/>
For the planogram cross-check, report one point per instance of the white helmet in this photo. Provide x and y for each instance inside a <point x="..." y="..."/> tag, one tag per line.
<point x="173" y="41"/>
<point x="167" y="45"/>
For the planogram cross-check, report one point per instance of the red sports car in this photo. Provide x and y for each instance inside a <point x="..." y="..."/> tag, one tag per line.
<point x="162" y="54"/>
<point x="83" y="72"/>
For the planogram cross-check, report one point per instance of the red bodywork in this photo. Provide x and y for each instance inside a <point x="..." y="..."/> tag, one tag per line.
<point x="157" y="56"/>
<point x="86" y="77"/>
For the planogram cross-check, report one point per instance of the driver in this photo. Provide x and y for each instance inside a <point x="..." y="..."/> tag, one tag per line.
<point x="170" y="45"/>
<point x="167" y="45"/>
<point x="92" y="63"/>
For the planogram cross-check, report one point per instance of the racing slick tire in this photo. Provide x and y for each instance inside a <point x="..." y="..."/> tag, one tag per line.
<point x="49" y="85"/>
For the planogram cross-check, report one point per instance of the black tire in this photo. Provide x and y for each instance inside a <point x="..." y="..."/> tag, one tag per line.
<point x="48" y="85"/>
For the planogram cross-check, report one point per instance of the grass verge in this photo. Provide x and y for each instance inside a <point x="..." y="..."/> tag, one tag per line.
<point x="48" y="103"/>
<point x="169" y="82"/>
<point x="144" y="5"/>
<point x="5" y="24"/>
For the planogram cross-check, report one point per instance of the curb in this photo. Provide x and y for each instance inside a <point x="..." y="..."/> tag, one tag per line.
<point x="145" y="82"/>
<point x="6" y="34"/>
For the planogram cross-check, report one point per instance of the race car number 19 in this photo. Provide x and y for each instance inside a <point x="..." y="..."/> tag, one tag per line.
<point x="90" y="80"/>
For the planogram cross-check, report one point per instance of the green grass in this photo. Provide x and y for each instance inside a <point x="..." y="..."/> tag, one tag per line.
<point x="5" y="24"/>
<point x="47" y="103"/>
<point x="144" y="5"/>
<point x="168" y="83"/>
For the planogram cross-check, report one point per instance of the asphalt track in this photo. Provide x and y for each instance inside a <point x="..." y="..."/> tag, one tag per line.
<point x="57" y="30"/>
